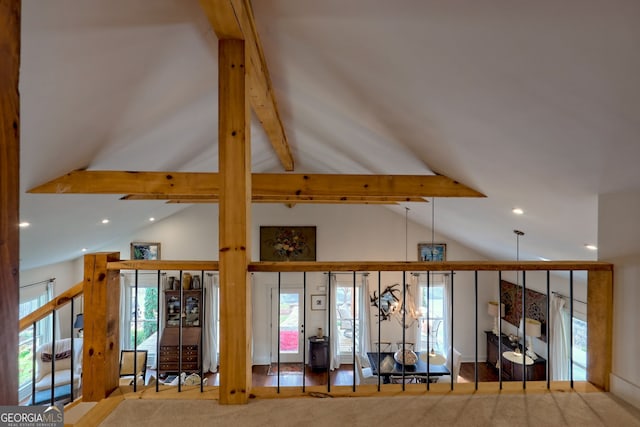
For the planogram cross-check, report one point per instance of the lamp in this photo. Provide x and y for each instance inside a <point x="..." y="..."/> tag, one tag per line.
<point x="492" y="309"/>
<point x="533" y="329"/>
<point x="79" y="324"/>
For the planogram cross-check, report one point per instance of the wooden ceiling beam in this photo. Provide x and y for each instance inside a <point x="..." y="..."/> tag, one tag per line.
<point x="280" y="199"/>
<point x="233" y="19"/>
<point x="263" y="185"/>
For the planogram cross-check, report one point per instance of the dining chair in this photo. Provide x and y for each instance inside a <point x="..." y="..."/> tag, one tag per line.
<point x="454" y="367"/>
<point x="365" y="374"/>
<point x="383" y="346"/>
<point x="407" y="345"/>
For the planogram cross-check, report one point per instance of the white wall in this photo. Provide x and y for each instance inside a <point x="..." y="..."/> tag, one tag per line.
<point x="619" y="243"/>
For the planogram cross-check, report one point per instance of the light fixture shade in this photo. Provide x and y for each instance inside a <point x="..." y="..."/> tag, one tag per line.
<point x="492" y="309"/>
<point x="533" y="329"/>
<point x="79" y="323"/>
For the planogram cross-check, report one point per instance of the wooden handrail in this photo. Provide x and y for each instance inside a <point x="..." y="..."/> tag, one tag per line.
<point x="57" y="302"/>
<point x="162" y="265"/>
<point x="299" y="266"/>
<point x="430" y="266"/>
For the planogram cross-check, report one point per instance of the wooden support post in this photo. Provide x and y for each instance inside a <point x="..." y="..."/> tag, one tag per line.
<point x="9" y="199"/>
<point x="600" y="327"/>
<point x="101" y="350"/>
<point x="234" y="222"/>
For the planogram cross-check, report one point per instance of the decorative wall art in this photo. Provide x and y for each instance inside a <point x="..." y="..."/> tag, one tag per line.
<point x="281" y="243"/>
<point x="388" y="301"/>
<point x="536" y="305"/>
<point x="145" y="250"/>
<point x="432" y="252"/>
<point x="318" y="302"/>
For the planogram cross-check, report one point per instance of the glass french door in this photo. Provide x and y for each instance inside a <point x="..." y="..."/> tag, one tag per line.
<point x="286" y="326"/>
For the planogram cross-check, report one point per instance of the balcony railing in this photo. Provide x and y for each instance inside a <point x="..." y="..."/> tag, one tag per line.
<point x="597" y="280"/>
<point x="102" y="310"/>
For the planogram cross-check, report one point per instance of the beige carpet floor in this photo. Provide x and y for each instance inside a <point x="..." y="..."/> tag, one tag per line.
<point x="509" y="410"/>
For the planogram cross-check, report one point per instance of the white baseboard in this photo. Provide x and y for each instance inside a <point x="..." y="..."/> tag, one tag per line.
<point x="625" y="390"/>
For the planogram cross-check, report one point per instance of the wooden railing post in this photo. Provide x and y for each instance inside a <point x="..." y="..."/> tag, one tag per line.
<point x="600" y="327"/>
<point x="101" y="349"/>
<point x="9" y="195"/>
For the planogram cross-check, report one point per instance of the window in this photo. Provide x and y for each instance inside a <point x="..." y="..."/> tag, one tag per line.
<point x="433" y="304"/>
<point x="579" y="349"/>
<point x="346" y="321"/>
<point x="32" y="297"/>
<point x="140" y="319"/>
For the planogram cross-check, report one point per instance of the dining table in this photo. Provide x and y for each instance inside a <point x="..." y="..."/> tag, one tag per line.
<point x="389" y="367"/>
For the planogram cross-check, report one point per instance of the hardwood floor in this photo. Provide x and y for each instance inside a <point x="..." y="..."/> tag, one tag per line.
<point x="343" y="376"/>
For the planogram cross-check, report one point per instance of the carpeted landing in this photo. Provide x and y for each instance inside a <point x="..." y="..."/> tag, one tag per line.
<point x="510" y="410"/>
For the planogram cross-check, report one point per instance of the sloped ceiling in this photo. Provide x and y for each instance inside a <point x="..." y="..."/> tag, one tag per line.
<point x="535" y="104"/>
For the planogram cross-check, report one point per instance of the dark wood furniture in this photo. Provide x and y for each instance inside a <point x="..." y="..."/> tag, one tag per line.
<point x="189" y="316"/>
<point x="170" y="351"/>
<point x="512" y="371"/>
<point x="191" y="308"/>
<point x="393" y="368"/>
<point x="318" y="353"/>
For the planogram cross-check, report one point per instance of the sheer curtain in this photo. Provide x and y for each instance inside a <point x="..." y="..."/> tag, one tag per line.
<point x="560" y="339"/>
<point x="414" y="291"/>
<point x="333" y="321"/>
<point x="210" y="327"/>
<point x="447" y="313"/>
<point x="364" y="320"/>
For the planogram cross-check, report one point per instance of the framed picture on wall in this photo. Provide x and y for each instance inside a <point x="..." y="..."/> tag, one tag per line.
<point x="318" y="302"/>
<point x="145" y="250"/>
<point x="432" y="252"/>
<point x="287" y="243"/>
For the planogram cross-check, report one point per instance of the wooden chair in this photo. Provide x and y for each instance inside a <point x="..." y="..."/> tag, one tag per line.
<point x="128" y="374"/>
<point x="383" y="346"/>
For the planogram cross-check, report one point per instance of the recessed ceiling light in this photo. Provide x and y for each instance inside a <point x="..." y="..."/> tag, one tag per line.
<point x="517" y="211"/>
<point x="152" y="219"/>
<point x="591" y="247"/>
<point x="24" y="224"/>
<point x="543" y="258"/>
<point x="84" y="249"/>
<point x="105" y="221"/>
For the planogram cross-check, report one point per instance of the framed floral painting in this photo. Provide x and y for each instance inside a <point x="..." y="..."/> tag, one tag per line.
<point x="282" y="243"/>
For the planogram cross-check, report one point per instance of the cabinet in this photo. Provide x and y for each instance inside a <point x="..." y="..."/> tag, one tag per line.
<point x="185" y="311"/>
<point x="318" y="353"/>
<point x="191" y="311"/>
<point x="512" y="371"/>
<point x="169" y="361"/>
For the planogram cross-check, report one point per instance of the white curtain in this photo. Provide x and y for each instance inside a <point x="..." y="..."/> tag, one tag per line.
<point x="364" y="320"/>
<point x="447" y="314"/>
<point x="125" y="305"/>
<point x="559" y="339"/>
<point x="413" y="319"/>
<point x="33" y="297"/>
<point x="210" y="327"/>
<point x="333" y="319"/>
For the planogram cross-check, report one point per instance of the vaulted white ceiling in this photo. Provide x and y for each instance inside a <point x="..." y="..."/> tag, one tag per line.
<point x="535" y="104"/>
